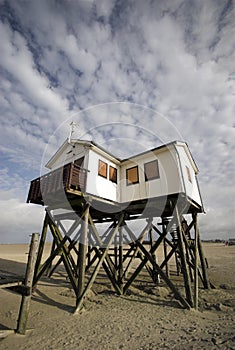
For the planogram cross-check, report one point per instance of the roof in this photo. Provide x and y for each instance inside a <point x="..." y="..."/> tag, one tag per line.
<point x="87" y="143"/>
<point x="112" y="157"/>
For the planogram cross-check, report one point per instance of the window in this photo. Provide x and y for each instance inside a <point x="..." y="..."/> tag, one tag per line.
<point x="112" y="174"/>
<point x="132" y="176"/>
<point x="102" y="171"/>
<point x="151" y="170"/>
<point x="188" y="173"/>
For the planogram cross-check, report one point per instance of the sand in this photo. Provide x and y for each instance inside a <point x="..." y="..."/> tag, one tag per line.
<point x="147" y="318"/>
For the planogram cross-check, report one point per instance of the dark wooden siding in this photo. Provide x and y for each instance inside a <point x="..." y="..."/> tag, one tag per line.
<point x="68" y="177"/>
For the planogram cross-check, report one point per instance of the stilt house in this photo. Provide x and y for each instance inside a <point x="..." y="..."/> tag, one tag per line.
<point x="101" y="188"/>
<point x="157" y="176"/>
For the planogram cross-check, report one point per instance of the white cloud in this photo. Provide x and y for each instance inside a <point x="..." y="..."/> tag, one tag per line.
<point x="177" y="58"/>
<point x="19" y="220"/>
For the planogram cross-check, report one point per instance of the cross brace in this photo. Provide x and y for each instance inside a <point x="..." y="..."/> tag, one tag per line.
<point x="118" y="248"/>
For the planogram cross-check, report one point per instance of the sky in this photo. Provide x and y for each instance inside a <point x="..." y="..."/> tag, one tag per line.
<point x="133" y="75"/>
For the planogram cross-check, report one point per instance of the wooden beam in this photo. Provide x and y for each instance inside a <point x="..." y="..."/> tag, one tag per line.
<point x="82" y="254"/>
<point x="97" y="268"/>
<point x="184" y="264"/>
<point x="136" y="248"/>
<point x="41" y="247"/>
<point x="206" y="281"/>
<point x="143" y="263"/>
<point x="148" y="256"/>
<point x="120" y="258"/>
<point x="195" y="262"/>
<point x="49" y="260"/>
<point x="68" y="261"/>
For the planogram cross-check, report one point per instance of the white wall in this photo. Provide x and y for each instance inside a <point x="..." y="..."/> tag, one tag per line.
<point x="172" y="168"/>
<point x="98" y="185"/>
<point x="168" y="182"/>
<point x="69" y="155"/>
<point x="191" y="188"/>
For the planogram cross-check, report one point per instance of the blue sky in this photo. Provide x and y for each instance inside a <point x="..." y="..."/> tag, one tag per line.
<point x="133" y="75"/>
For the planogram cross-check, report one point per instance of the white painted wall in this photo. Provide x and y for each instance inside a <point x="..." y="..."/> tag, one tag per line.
<point x="168" y="183"/>
<point x="69" y="155"/>
<point x="173" y="179"/>
<point x="190" y="188"/>
<point x="98" y="185"/>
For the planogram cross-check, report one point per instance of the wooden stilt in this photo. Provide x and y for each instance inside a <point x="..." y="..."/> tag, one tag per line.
<point x="148" y="256"/>
<point x="155" y="275"/>
<point x="206" y="281"/>
<point x="25" y="302"/>
<point x="120" y="263"/>
<point x="49" y="260"/>
<point x="195" y="262"/>
<point x="97" y="268"/>
<point x="108" y="265"/>
<point x="49" y="271"/>
<point x="184" y="265"/>
<point x="134" y="247"/>
<point x="41" y="246"/>
<point x="94" y="250"/>
<point x="165" y="247"/>
<point x="144" y="260"/>
<point x="82" y="250"/>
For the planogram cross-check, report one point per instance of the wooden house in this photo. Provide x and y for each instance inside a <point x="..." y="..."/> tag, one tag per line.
<point x="83" y="168"/>
<point x="101" y="188"/>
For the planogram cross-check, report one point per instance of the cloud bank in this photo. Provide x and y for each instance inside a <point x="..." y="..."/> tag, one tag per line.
<point x="154" y="70"/>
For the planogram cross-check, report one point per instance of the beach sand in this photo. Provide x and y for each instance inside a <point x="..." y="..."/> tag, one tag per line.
<point x="148" y="317"/>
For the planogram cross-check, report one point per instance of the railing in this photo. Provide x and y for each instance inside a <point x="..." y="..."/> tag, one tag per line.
<point x="67" y="177"/>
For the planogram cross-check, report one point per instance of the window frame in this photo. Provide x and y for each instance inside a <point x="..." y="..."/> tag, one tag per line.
<point x="106" y="169"/>
<point x="132" y="183"/>
<point x="115" y="172"/>
<point x="152" y="177"/>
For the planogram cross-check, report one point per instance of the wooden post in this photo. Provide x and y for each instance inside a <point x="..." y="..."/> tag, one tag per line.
<point x="195" y="263"/>
<point x="185" y="270"/>
<point x="155" y="275"/>
<point x="100" y="263"/>
<point x="41" y="246"/>
<point x="120" y="263"/>
<point x="49" y="269"/>
<point x="206" y="281"/>
<point x="82" y="250"/>
<point x="165" y="247"/>
<point x="25" y="302"/>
